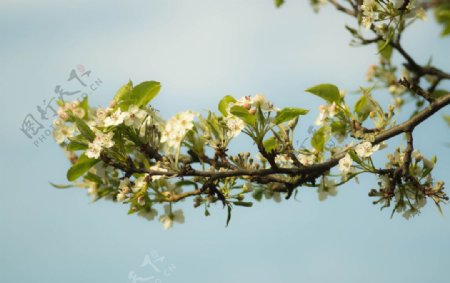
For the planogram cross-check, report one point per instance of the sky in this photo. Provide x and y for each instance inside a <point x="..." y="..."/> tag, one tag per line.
<point x="200" y="51"/>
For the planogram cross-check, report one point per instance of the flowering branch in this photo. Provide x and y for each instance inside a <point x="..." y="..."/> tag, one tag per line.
<point x="128" y="153"/>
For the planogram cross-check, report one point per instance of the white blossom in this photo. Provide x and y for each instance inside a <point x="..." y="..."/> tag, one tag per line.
<point x="176" y="128"/>
<point x="326" y="111"/>
<point x="345" y="164"/>
<point x="101" y="141"/>
<point x="139" y="184"/>
<point x="365" y="149"/>
<point x="170" y="217"/>
<point x="115" y="118"/>
<point x="327" y="188"/>
<point x="306" y="159"/>
<point x="135" y="116"/>
<point x="234" y="125"/>
<point x="62" y="131"/>
<point x="159" y="169"/>
<point x="283" y="160"/>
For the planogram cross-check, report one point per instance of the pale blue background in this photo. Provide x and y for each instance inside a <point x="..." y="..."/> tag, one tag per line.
<point x="200" y="51"/>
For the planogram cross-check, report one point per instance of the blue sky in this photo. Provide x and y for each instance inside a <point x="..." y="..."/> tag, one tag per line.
<point x="199" y="51"/>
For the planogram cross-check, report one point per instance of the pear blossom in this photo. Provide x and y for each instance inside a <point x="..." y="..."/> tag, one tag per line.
<point x="170" y="217"/>
<point x="135" y="116"/>
<point x="176" y="128"/>
<point x="306" y="159"/>
<point x="326" y="188"/>
<point x="62" y="131"/>
<point x="159" y="169"/>
<point x="121" y="197"/>
<point x="284" y="160"/>
<point x="365" y="149"/>
<point x="261" y="101"/>
<point x="101" y="141"/>
<point x="115" y="118"/>
<point x="139" y="184"/>
<point x="345" y="164"/>
<point x="234" y="125"/>
<point x="149" y="214"/>
<point x="326" y="111"/>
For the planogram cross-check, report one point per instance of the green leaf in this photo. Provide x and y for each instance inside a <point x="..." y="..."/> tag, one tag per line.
<point x="320" y="138"/>
<point x="124" y="92"/>
<point x="243" y="203"/>
<point x="228" y="214"/>
<point x="279" y="3"/>
<point x="362" y="107"/>
<point x="385" y="44"/>
<point x="74" y="146"/>
<point x="386" y="52"/>
<point x="223" y="104"/>
<point x="258" y="194"/>
<point x="144" y="92"/>
<point x="270" y="144"/>
<point x="84" y="129"/>
<point x="139" y="95"/>
<point x="61" y="186"/>
<point x="85" y="106"/>
<point x="82" y="165"/>
<point x="288" y="113"/>
<point x="243" y="114"/>
<point x="328" y="92"/>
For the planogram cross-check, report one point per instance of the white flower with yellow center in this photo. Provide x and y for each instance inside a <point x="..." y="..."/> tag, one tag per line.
<point x="62" y="131"/>
<point x="345" y="164"/>
<point x="115" y="118"/>
<point x="327" y="188"/>
<point x="365" y="149"/>
<point x="135" y="116"/>
<point x="101" y="141"/>
<point x="326" y="111"/>
<point x="306" y="159"/>
<point x="283" y="160"/>
<point x="234" y="125"/>
<point x="170" y="217"/>
<point x="176" y="128"/>
<point x="139" y="184"/>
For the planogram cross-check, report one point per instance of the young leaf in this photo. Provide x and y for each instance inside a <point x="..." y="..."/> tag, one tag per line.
<point x="143" y="93"/>
<point x="60" y="186"/>
<point x="84" y="129"/>
<point x="82" y="165"/>
<point x="223" y="104"/>
<point x="270" y="144"/>
<point x="243" y="203"/>
<point x="74" y="146"/>
<point x="243" y="114"/>
<point x="279" y="3"/>
<point x="328" y="92"/>
<point x="288" y="113"/>
<point x="320" y="138"/>
<point x="124" y="92"/>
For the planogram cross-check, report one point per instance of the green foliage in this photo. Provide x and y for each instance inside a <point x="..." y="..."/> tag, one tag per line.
<point x="279" y="3"/>
<point x="223" y="104"/>
<point x="139" y="95"/>
<point x="82" y="165"/>
<point x="288" y="113"/>
<point x="442" y="14"/>
<point x="243" y="114"/>
<point x="327" y="92"/>
<point x="320" y="138"/>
